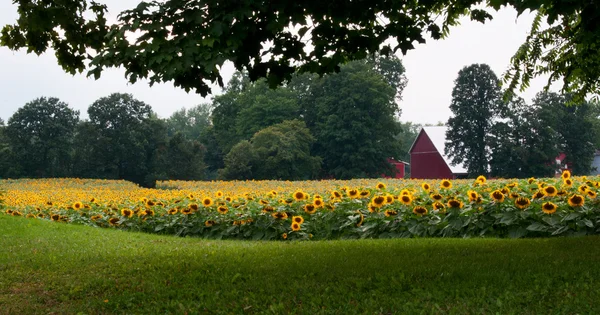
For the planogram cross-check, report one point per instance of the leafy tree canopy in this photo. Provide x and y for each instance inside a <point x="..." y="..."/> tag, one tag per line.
<point x="476" y="103"/>
<point x="40" y="135"/>
<point x="188" y="41"/>
<point x="281" y="151"/>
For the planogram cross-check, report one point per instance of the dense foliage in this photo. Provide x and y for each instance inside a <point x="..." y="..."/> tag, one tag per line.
<point x="341" y="125"/>
<point x="476" y="103"/>
<point x="187" y="42"/>
<point x="510" y="138"/>
<point x="320" y="209"/>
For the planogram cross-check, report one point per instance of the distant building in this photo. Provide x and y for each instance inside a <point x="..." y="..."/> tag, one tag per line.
<point x="399" y="168"/>
<point x="428" y="158"/>
<point x="596" y="164"/>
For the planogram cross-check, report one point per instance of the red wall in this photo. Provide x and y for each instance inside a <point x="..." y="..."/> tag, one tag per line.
<point x="426" y="161"/>
<point x="399" y="166"/>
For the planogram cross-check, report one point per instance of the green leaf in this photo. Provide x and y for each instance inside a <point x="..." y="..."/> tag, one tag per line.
<point x="537" y="227"/>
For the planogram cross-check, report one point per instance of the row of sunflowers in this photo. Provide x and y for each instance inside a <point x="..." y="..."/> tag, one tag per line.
<point x="284" y="210"/>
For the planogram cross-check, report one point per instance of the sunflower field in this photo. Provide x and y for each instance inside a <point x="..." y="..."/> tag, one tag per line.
<point x="317" y="210"/>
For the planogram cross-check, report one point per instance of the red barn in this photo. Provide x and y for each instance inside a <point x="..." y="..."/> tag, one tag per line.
<point x="428" y="158"/>
<point x="399" y="168"/>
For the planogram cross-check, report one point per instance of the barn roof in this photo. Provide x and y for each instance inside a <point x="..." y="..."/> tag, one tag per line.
<point x="437" y="135"/>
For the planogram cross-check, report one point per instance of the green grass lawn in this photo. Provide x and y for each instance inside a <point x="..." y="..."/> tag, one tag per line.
<point x="50" y="267"/>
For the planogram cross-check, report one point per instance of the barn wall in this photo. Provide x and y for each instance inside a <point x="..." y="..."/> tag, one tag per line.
<point x="429" y="165"/>
<point x="426" y="162"/>
<point x="423" y="144"/>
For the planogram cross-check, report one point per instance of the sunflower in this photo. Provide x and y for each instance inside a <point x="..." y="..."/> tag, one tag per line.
<point x="149" y="203"/>
<point x="381" y="185"/>
<point x="95" y="217"/>
<point x="425" y="186"/>
<point x="549" y="207"/>
<point x="284" y="236"/>
<point x="8" y="211"/>
<point x="299" y="195"/>
<point x="389" y="213"/>
<point x="78" y="205"/>
<point x="17" y="214"/>
<point x="419" y="210"/>
<point x="148" y="212"/>
<point x="173" y="211"/>
<point x="126" y="213"/>
<point x="56" y="217"/>
<point x="219" y="194"/>
<point x="288" y="201"/>
<point x="228" y="199"/>
<point x="266" y="209"/>
<point x="481" y="179"/>
<point x="531" y="180"/>
<point x="436" y="197"/>
<point x="446" y="184"/>
<point x="497" y="195"/>
<point x="30" y="216"/>
<point x="296" y="226"/>
<point x="353" y="193"/>
<point x="336" y="194"/>
<point x="41" y="215"/>
<point x="576" y="201"/>
<point x="279" y="215"/>
<point x="472" y="195"/>
<point x="378" y="201"/>
<point x="186" y="211"/>
<point x="405" y="192"/>
<point x="298" y="219"/>
<point x="438" y="206"/>
<point x="566" y="174"/>
<point x="372" y="208"/>
<point x="455" y="203"/>
<point x="522" y="203"/>
<point x="406" y="199"/>
<point x="362" y="219"/>
<point x="561" y="193"/>
<point x="113" y="221"/>
<point x="310" y="208"/>
<point x="592" y="194"/>
<point x="568" y="182"/>
<point x="263" y="202"/>
<point x="209" y="223"/>
<point x="389" y="199"/>
<point x="365" y="193"/>
<point x="318" y="202"/>
<point x="538" y="195"/>
<point x="583" y="189"/>
<point x="550" y="191"/>
<point x="222" y="209"/>
<point x="207" y="202"/>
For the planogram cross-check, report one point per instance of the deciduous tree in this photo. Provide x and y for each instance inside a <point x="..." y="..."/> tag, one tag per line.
<point x="188" y="42"/>
<point x="476" y="103"/>
<point x="40" y="135"/>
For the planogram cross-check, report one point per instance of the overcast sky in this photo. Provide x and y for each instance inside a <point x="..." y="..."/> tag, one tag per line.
<point x="431" y="69"/>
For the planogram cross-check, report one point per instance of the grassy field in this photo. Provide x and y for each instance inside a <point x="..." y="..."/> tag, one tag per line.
<point x="48" y="267"/>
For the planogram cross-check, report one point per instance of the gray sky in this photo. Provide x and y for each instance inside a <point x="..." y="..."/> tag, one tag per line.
<point x="431" y="69"/>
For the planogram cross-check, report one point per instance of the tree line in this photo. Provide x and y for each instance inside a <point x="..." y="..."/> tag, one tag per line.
<point x="341" y="125"/>
<point x="513" y="139"/>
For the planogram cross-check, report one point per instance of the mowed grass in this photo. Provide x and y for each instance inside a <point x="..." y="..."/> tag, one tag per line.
<point x="57" y="268"/>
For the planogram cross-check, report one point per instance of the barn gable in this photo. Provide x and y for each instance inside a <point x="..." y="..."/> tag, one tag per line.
<point x="428" y="158"/>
